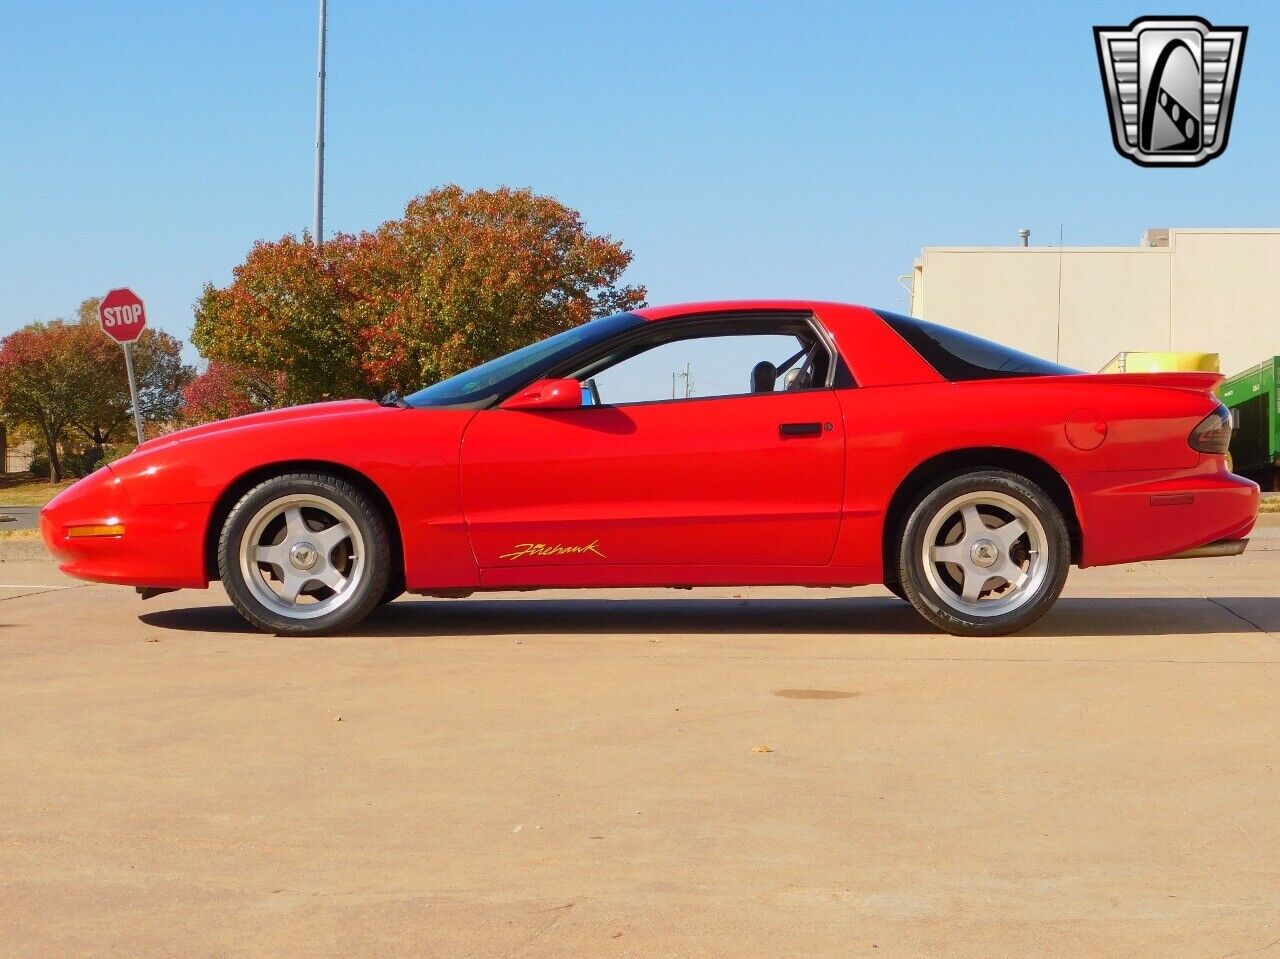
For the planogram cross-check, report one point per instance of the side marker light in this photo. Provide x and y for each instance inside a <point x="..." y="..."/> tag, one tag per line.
<point x="101" y="529"/>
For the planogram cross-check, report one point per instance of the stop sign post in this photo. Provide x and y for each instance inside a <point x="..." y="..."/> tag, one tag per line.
<point x="123" y="318"/>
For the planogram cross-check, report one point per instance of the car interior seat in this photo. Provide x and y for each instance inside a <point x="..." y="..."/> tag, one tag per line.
<point x="764" y="377"/>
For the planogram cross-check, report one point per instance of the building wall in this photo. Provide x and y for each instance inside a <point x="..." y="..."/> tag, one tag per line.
<point x="1212" y="291"/>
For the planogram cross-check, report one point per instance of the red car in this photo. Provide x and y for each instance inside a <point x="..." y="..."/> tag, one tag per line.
<point x="734" y="443"/>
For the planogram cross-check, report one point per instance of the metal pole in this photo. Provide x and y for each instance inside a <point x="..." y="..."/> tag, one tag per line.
<point x="133" y="390"/>
<point x="318" y="225"/>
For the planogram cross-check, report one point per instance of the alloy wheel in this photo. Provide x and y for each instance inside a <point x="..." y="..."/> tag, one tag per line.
<point x="984" y="553"/>
<point x="302" y="556"/>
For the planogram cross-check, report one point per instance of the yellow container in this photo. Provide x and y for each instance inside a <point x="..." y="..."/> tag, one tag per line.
<point x="1140" y="362"/>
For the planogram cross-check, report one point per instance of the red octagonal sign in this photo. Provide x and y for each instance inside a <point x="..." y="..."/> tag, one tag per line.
<point x="122" y="315"/>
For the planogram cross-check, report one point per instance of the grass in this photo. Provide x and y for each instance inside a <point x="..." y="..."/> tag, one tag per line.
<point x="33" y="493"/>
<point x="19" y="535"/>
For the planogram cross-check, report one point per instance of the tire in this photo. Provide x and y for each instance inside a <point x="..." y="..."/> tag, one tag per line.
<point x="896" y="588"/>
<point x="394" y="590"/>
<point x="955" y="543"/>
<point x="304" y="554"/>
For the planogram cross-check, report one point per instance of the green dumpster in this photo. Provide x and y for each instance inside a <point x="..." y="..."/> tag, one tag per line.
<point x="1255" y="444"/>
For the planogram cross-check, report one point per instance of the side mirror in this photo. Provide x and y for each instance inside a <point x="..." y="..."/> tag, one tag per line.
<point x="547" y="395"/>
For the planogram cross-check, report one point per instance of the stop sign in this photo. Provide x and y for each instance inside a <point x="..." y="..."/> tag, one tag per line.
<point x="122" y="316"/>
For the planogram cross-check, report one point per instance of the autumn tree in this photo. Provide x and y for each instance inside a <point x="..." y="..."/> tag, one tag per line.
<point x="105" y="409"/>
<point x="39" y="372"/>
<point x="224" y="390"/>
<point x="461" y="278"/>
<point x="66" y="380"/>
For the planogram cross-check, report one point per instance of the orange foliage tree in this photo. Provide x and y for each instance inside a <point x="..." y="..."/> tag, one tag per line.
<point x="66" y="382"/>
<point x="224" y="390"/>
<point x="460" y="279"/>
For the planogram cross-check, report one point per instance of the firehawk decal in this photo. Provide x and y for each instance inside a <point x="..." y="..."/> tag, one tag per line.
<point x="542" y="549"/>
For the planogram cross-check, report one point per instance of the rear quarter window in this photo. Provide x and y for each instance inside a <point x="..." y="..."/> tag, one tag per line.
<point x="962" y="356"/>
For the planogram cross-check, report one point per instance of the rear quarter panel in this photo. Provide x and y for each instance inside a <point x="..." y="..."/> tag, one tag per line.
<point x="893" y="430"/>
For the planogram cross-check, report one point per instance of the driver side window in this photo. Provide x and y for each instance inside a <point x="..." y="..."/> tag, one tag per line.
<point x="703" y="363"/>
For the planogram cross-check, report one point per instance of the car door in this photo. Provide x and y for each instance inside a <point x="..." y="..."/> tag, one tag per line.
<point x="734" y="479"/>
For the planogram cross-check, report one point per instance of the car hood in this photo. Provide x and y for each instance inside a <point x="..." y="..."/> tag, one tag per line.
<point x="267" y="418"/>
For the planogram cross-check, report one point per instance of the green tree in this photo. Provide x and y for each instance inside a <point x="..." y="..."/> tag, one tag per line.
<point x="461" y="278"/>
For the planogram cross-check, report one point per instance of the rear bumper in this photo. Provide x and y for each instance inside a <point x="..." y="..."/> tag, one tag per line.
<point x="1141" y="515"/>
<point x="161" y="546"/>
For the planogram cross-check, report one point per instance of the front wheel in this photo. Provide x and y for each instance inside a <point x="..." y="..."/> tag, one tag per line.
<point x="984" y="554"/>
<point x="304" y="554"/>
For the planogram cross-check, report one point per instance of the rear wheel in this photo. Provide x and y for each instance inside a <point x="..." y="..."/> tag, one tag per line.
<point x="304" y="554"/>
<point x="394" y="590"/>
<point x="984" y="554"/>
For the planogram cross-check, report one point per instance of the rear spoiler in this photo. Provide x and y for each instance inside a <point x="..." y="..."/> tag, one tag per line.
<point x="1199" y="382"/>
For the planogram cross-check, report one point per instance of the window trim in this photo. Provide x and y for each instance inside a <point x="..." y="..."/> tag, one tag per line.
<point x="838" y="375"/>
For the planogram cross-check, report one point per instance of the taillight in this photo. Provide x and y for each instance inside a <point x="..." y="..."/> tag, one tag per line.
<point x="1213" y="433"/>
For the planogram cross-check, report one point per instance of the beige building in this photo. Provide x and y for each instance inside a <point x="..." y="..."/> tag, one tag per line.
<point x="1210" y="291"/>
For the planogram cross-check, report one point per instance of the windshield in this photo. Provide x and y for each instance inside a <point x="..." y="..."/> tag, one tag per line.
<point x="479" y="387"/>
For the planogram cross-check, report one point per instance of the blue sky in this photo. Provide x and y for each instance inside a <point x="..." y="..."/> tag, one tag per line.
<point x="738" y="149"/>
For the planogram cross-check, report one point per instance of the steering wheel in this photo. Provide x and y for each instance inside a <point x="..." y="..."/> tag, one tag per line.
<point x="593" y="390"/>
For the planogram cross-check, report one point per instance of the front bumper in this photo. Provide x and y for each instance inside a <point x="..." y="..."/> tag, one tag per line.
<point x="161" y="546"/>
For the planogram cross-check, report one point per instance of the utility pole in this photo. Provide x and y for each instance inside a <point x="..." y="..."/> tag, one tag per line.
<point x="687" y="376"/>
<point x="318" y="223"/>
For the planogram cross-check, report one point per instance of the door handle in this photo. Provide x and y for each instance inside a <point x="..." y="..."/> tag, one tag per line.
<point x="791" y="430"/>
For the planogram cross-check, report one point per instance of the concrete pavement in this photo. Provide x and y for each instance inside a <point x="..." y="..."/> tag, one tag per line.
<point x="19" y="517"/>
<point x="717" y="773"/>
